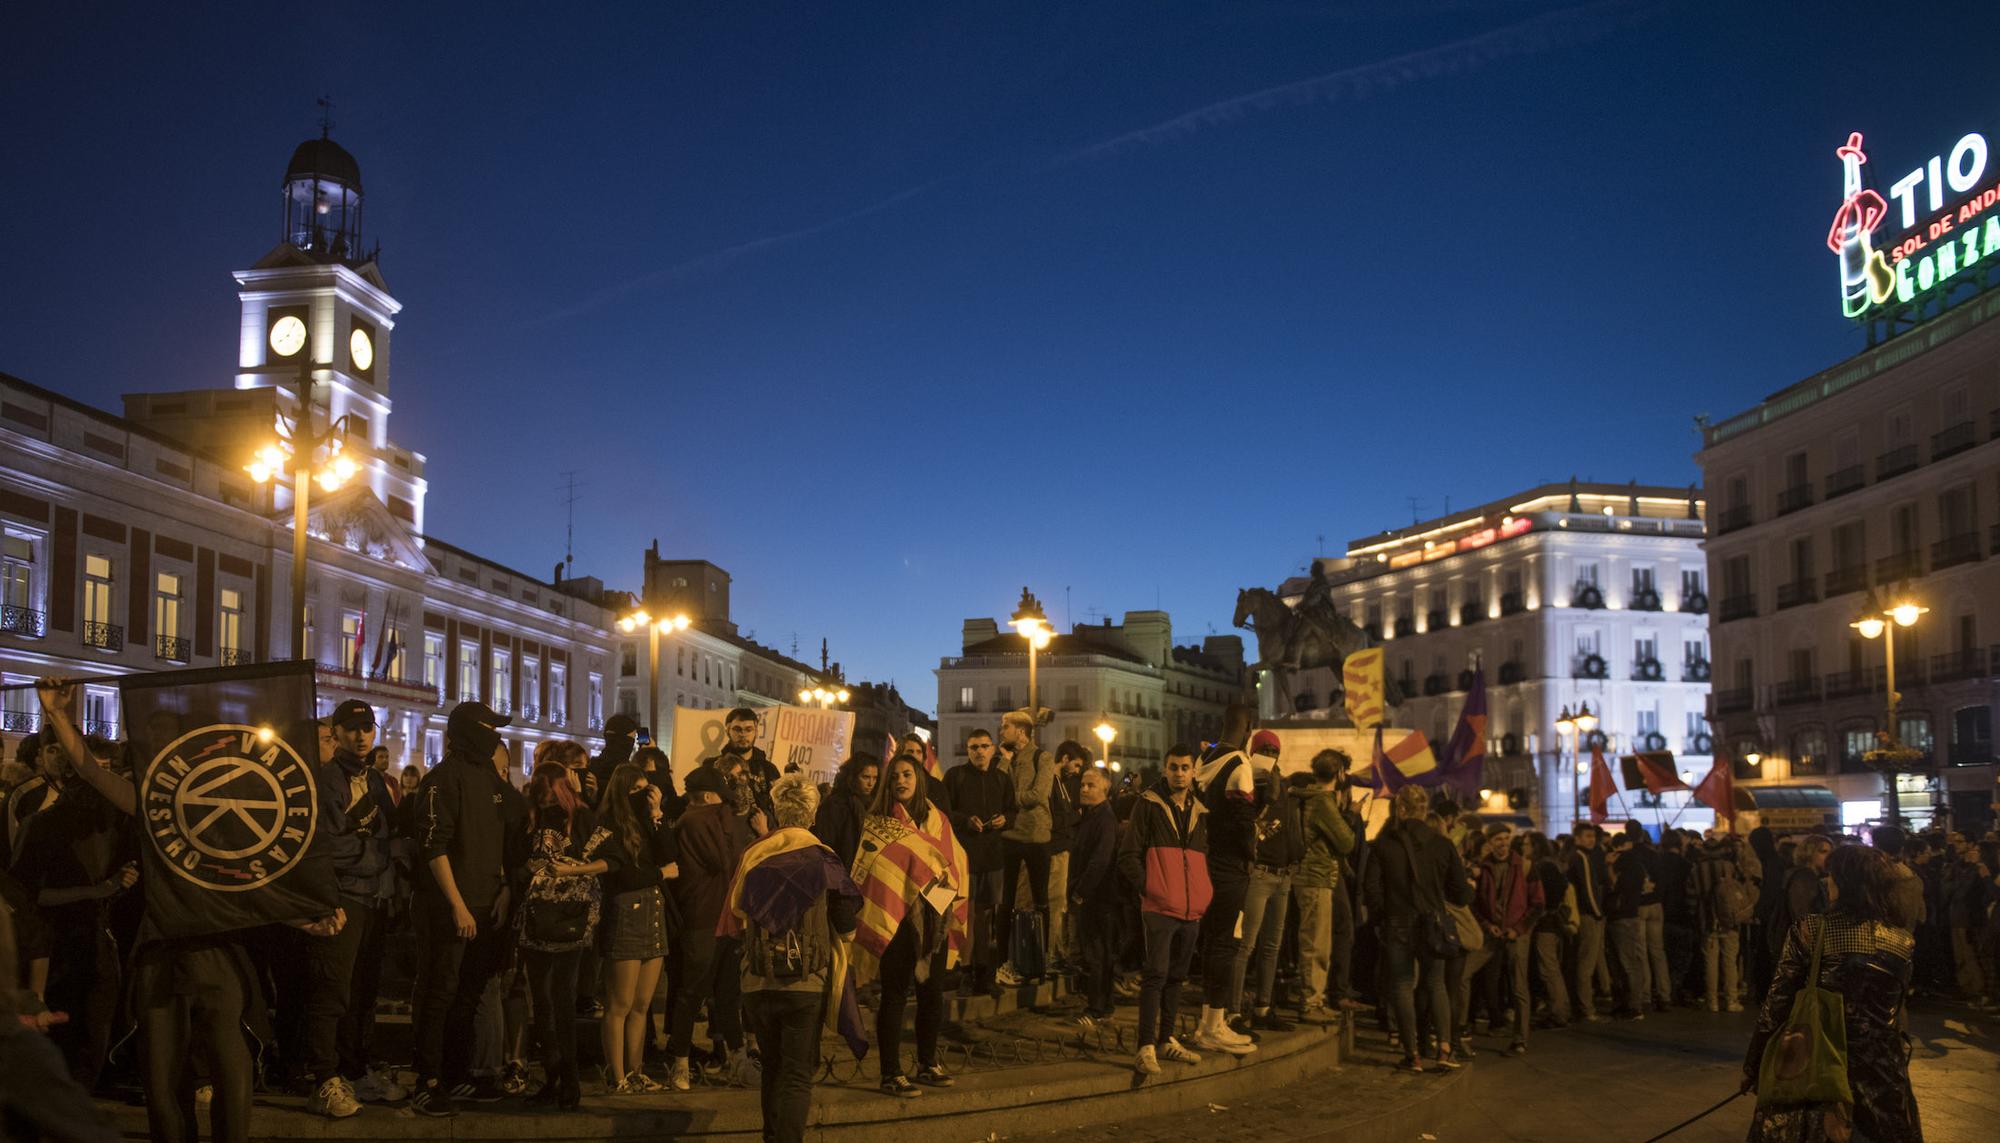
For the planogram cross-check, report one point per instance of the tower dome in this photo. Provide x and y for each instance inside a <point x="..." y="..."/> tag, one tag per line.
<point x="323" y="201"/>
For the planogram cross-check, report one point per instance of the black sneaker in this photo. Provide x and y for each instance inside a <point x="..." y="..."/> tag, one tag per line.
<point x="901" y="1087"/>
<point x="478" y="1091"/>
<point x="432" y="1100"/>
<point x="1271" y="1022"/>
<point x="934" y="1076"/>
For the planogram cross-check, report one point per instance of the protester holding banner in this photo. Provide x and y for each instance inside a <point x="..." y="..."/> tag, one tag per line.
<point x="210" y="784"/>
<point x="460" y="909"/>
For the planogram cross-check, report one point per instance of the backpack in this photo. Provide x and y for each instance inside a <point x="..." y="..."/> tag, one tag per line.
<point x="794" y="954"/>
<point x="1729" y="899"/>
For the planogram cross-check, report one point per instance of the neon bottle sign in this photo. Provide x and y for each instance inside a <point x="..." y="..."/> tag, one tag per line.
<point x="1920" y="253"/>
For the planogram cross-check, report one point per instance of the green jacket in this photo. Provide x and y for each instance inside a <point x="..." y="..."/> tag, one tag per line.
<point x="1328" y="839"/>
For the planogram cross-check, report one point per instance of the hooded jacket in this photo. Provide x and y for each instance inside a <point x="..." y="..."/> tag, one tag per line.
<point x="357" y="832"/>
<point x="461" y="812"/>
<point x="1227" y="784"/>
<point x="1164" y="853"/>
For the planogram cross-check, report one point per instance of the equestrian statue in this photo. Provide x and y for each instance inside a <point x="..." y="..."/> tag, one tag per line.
<point x="1299" y="638"/>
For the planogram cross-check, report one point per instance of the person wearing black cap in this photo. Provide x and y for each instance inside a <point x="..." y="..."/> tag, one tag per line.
<point x="356" y="824"/>
<point x="621" y="737"/>
<point x="460" y="905"/>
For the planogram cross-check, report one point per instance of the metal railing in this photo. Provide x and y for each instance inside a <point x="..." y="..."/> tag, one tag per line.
<point x="1843" y="684"/>
<point x="1473" y="611"/>
<point x="1794" y="498"/>
<point x="1960" y="549"/>
<point x="1952" y="439"/>
<point x="1970" y="663"/>
<point x="104" y="636"/>
<point x="1794" y="594"/>
<point x="102" y="727"/>
<point x="1842" y="481"/>
<point x="234" y="657"/>
<point x="1840" y="581"/>
<point x="1742" y="606"/>
<point x="1730" y="519"/>
<point x="1792" y="692"/>
<point x="1511" y="603"/>
<point x="1902" y="565"/>
<point x="1895" y="462"/>
<point x="170" y="648"/>
<point x="531" y="714"/>
<point x="1734" y="700"/>
<point x="23" y="621"/>
<point x="20" y="721"/>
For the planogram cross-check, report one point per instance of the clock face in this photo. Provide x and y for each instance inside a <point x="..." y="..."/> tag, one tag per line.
<point x="362" y="349"/>
<point x="288" y="335"/>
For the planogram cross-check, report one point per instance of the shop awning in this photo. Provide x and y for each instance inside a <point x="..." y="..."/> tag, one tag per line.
<point x="1790" y="807"/>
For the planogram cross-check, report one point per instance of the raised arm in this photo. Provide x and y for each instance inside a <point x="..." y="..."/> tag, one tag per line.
<point x="55" y="695"/>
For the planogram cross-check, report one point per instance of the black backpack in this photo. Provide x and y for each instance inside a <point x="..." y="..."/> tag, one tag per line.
<point x="794" y="954"/>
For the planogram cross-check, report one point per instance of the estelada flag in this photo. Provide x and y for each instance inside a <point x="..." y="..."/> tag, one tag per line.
<point x="1601" y="786"/>
<point x="224" y="765"/>
<point x="1361" y="677"/>
<point x="1718" y="790"/>
<point x="1654" y="769"/>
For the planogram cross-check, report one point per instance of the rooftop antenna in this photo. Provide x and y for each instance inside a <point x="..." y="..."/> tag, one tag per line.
<point x="1322" y="543"/>
<point x="822" y="655"/>
<point x="1069" y="620"/>
<point x="325" y="115"/>
<point x="569" y="487"/>
<point x="1416" y="507"/>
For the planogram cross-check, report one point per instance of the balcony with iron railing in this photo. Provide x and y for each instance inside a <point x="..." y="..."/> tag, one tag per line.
<point x="558" y="717"/>
<point x="1406" y="626"/>
<point x="1434" y="684"/>
<point x="20" y="721"/>
<point x="1953" y="439"/>
<point x="1895" y="462"/>
<point x="339" y="676"/>
<point x="1437" y="619"/>
<point x="1953" y="550"/>
<point x="23" y="621"/>
<point x="1842" y="481"/>
<point x="1743" y="606"/>
<point x="597" y="722"/>
<point x="1902" y="565"/>
<point x="1969" y="663"/>
<point x="234" y="657"/>
<point x="1473" y="611"/>
<point x="1794" y="498"/>
<point x="1644" y="598"/>
<point x="1734" y="700"/>
<point x="1511" y="602"/>
<point x="1512" y="672"/>
<point x="104" y="636"/>
<point x="1695" y="671"/>
<point x="102" y="727"/>
<point x="967" y="707"/>
<point x="1846" y="684"/>
<point x="531" y="714"/>
<point x="1731" y="518"/>
<point x="1795" y="594"/>
<point x="1840" y="581"/>
<point x="1793" y="692"/>
<point x="170" y="648"/>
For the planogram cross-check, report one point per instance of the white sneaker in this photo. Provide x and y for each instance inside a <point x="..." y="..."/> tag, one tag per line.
<point x="1006" y="977"/>
<point x="379" y="1087"/>
<point x="1208" y="1041"/>
<point x="1178" y="1054"/>
<point x="679" y="1077"/>
<point x="1733" y="1006"/>
<point x="1148" y="1063"/>
<point x="334" y="1099"/>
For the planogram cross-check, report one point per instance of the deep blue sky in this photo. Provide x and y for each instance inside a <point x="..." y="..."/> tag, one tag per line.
<point x="855" y="300"/>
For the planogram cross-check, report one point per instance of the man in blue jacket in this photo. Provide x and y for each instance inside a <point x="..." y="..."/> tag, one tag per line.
<point x="1093" y="892"/>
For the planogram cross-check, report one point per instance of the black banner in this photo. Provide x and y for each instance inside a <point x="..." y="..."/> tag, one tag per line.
<point x="224" y="771"/>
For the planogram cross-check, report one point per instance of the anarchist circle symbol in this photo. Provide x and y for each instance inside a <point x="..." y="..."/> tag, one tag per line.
<point x="229" y="807"/>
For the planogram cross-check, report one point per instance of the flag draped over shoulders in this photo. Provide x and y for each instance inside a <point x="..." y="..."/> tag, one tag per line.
<point x="777" y="880"/>
<point x="901" y="868"/>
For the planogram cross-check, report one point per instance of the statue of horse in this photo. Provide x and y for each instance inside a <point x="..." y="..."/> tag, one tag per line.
<point x="1297" y="639"/>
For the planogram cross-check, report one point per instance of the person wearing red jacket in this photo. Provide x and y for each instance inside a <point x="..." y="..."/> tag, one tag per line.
<point x="1164" y="855"/>
<point x="1508" y="901"/>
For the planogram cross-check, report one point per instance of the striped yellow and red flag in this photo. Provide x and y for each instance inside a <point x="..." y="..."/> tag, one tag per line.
<point x="1411" y="755"/>
<point x="1361" y="676"/>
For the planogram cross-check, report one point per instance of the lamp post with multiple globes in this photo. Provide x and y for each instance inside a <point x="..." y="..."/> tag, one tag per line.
<point x="823" y="697"/>
<point x="1033" y="623"/>
<point x="297" y="450"/>
<point x="1891" y="757"/>
<point x="1577" y="726"/>
<point x="632" y="621"/>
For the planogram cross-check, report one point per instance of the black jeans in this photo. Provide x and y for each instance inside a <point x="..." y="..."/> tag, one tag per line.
<point x="1340" y="975"/>
<point x="552" y="982"/>
<point x="1169" y="949"/>
<point x="452" y="973"/>
<point x="989" y="930"/>
<point x="1097" y="941"/>
<point x="357" y="1029"/>
<point x="787" y="1028"/>
<point x="899" y="977"/>
<point x="1036" y="855"/>
<point x="711" y="974"/>
<point x="330" y="963"/>
<point x="1401" y="960"/>
<point x="1219" y="942"/>
<point x="188" y="997"/>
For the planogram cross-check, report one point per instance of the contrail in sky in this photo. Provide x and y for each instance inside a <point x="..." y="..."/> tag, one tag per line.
<point x="1546" y="32"/>
<point x="1537" y="34"/>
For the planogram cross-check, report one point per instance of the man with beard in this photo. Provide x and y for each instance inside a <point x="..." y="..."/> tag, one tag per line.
<point x="741" y="727"/>
<point x="357" y="815"/>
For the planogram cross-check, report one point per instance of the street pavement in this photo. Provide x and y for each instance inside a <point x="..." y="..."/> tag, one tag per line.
<point x="1601" y="1083"/>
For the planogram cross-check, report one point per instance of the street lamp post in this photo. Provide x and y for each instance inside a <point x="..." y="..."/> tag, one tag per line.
<point x="654" y="629"/>
<point x="1033" y="624"/>
<point x="297" y="451"/>
<point x="1105" y="732"/>
<point x="1875" y="622"/>
<point x="824" y="698"/>
<point x="1577" y="726"/>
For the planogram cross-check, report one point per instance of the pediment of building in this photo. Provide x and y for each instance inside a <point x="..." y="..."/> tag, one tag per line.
<point x="354" y="519"/>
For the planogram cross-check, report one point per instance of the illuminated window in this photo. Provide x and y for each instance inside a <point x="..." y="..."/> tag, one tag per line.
<point x="230" y="633"/>
<point x="468" y="672"/>
<point x="97" y="584"/>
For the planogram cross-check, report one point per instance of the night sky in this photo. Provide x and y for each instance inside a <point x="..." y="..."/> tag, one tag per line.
<point x="892" y="308"/>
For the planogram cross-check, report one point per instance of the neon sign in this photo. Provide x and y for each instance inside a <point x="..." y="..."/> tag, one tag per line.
<point x="1514" y="526"/>
<point x="1478" y="539"/>
<point x="1922" y="253"/>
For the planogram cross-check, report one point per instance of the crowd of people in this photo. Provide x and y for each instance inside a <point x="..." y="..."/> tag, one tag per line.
<point x="750" y="904"/>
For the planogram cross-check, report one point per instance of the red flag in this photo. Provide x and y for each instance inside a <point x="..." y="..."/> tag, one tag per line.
<point x="1601" y="787"/>
<point x="931" y="761"/>
<point x="360" y="642"/>
<point x="1718" y="790"/>
<point x="1656" y="770"/>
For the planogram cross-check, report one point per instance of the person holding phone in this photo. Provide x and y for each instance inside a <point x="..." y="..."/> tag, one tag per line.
<point x="981" y="800"/>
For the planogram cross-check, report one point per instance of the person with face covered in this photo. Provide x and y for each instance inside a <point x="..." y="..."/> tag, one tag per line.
<point x="712" y="839"/>
<point x="357" y="815"/>
<point x="642" y="853"/>
<point x="838" y="822"/>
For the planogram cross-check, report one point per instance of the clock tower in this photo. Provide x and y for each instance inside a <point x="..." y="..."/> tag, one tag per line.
<point x="322" y="289"/>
